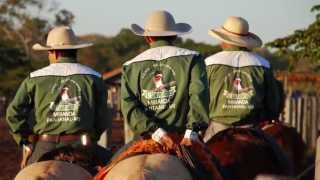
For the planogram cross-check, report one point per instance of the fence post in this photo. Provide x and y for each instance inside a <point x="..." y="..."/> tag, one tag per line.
<point x="287" y="108"/>
<point x="317" y="161"/>
<point x="314" y="125"/>
<point x="299" y="113"/>
<point x="305" y="119"/>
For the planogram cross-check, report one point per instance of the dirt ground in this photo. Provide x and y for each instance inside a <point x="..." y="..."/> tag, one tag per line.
<point x="9" y="153"/>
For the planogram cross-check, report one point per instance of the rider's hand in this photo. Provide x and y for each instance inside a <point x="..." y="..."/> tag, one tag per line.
<point x="168" y="142"/>
<point x="27" y="150"/>
<point x="161" y="137"/>
<point x="190" y="138"/>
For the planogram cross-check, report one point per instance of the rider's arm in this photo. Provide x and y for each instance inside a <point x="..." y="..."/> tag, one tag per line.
<point x="134" y="112"/>
<point x="198" y="96"/>
<point x="18" y="112"/>
<point x="274" y="96"/>
<point x="103" y="120"/>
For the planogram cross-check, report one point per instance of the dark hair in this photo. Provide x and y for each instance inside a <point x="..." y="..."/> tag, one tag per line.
<point x="170" y="39"/>
<point x="72" y="53"/>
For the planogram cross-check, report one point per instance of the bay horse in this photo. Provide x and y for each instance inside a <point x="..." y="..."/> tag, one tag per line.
<point x="244" y="154"/>
<point x="289" y="140"/>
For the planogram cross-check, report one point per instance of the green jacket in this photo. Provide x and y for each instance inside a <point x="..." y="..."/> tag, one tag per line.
<point x="242" y="88"/>
<point x="64" y="97"/>
<point x="166" y="87"/>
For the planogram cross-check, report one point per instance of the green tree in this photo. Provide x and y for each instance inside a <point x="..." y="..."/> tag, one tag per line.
<point x="21" y="26"/>
<point x="302" y="45"/>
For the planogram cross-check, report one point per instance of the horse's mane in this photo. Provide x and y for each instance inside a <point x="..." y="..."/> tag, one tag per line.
<point x="233" y="145"/>
<point x="289" y="140"/>
<point x="243" y="153"/>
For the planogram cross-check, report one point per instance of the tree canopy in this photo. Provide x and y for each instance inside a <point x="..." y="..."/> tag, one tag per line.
<point x="22" y="24"/>
<point x="25" y="22"/>
<point x="303" y="46"/>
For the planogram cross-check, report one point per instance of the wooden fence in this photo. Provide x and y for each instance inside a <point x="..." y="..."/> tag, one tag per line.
<point x="317" y="161"/>
<point x="302" y="111"/>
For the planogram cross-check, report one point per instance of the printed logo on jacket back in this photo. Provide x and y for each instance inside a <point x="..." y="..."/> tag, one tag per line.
<point x="239" y="91"/>
<point x="158" y="87"/>
<point x="66" y="106"/>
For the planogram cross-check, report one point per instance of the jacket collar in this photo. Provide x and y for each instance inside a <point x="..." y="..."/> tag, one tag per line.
<point x="161" y="53"/>
<point x="237" y="59"/>
<point x="64" y="69"/>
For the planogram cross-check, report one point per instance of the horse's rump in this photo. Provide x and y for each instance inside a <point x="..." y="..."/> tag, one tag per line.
<point x="86" y="157"/>
<point x="244" y="154"/>
<point x="204" y="165"/>
<point x="149" y="167"/>
<point x="47" y="170"/>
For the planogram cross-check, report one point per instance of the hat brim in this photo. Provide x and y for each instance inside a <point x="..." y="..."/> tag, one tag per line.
<point x="39" y="47"/>
<point x="250" y="40"/>
<point x="180" y="28"/>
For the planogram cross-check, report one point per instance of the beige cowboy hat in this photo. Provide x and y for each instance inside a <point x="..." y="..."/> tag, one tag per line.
<point x="161" y="23"/>
<point x="53" y="170"/>
<point x="62" y="38"/>
<point x="235" y="31"/>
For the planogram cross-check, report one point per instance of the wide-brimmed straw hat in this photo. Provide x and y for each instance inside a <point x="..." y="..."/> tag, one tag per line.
<point x="235" y="31"/>
<point x="61" y="38"/>
<point x="161" y="23"/>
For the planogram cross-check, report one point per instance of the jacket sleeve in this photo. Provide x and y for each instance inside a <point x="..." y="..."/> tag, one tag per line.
<point x="198" y="96"/>
<point x="103" y="120"/>
<point x="134" y="112"/>
<point x="18" y="113"/>
<point x="274" y="97"/>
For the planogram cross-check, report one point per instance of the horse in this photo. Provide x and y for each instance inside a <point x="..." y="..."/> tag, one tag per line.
<point x="83" y="156"/>
<point x="53" y="169"/>
<point x="145" y="166"/>
<point x="244" y="154"/>
<point x="146" y="159"/>
<point x="289" y="141"/>
<point x="236" y="153"/>
<point x="149" y="167"/>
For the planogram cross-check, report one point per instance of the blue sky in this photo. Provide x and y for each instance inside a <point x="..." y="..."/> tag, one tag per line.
<point x="269" y="19"/>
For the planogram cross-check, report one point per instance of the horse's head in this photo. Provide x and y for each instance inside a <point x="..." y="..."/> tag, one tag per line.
<point x="243" y="153"/>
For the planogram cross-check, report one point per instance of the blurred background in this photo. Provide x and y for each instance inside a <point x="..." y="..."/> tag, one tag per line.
<point x="290" y="30"/>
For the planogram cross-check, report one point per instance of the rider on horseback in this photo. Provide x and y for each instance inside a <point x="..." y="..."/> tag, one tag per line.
<point x="164" y="89"/>
<point x="66" y="99"/>
<point x="243" y="90"/>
